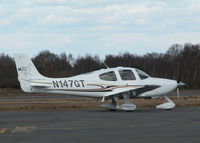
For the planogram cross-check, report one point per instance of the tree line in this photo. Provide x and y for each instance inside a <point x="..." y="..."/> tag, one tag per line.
<point x="181" y="61"/>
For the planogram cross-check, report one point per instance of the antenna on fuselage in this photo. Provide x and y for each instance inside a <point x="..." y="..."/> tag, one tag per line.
<point x="106" y="65"/>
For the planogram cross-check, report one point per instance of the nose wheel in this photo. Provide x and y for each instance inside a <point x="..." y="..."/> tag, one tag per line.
<point x="167" y="105"/>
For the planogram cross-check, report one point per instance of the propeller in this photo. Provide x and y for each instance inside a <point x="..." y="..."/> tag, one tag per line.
<point x="179" y="84"/>
<point x="178" y="81"/>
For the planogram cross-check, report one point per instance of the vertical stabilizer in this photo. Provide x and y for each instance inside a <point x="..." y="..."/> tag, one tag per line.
<point x="25" y="67"/>
<point x="26" y="72"/>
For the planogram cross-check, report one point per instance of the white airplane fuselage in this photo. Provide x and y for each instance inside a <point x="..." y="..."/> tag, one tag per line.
<point x="90" y="85"/>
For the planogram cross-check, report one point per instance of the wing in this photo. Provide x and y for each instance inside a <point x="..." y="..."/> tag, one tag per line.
<point x="121" y="89"/>
<point x="137" y="89"/>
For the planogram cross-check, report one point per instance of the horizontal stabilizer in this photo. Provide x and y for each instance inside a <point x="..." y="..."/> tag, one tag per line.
<point x="39" y="85"/>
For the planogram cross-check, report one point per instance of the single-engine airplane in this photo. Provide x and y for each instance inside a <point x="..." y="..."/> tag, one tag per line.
<point x="111" y="83"/>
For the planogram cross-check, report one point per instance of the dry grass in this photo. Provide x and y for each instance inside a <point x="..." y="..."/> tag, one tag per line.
<point x="47" y="104"/>
<point x="55" y="103"/>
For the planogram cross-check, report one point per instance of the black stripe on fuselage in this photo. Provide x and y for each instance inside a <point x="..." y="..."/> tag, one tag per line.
<point x="146" y="88"/>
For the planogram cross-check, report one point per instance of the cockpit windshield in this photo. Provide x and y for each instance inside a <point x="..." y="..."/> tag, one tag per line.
<point x="142" y="74"/>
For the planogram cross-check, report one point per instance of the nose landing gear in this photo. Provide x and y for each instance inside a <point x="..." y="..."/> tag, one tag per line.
<point x="168" y="105"/>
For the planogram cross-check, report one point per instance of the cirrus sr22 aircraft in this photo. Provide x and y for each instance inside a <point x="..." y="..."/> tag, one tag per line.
<point x="111" y="83"/>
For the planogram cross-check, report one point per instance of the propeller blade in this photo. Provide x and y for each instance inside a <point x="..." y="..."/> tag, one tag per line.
<point x="178" y="94"/>
<point x="178" y="74"/>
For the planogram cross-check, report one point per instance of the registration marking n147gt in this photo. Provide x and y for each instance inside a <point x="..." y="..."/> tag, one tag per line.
<point x="68" y="83"/>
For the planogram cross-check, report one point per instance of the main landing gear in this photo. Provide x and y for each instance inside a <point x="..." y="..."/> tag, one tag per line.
<point x="127" y="106"/>
<point x="112" y="106"/>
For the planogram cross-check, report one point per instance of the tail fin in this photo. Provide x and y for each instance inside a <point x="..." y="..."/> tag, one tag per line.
<point x="26" y="71"/>
<point x="25" y="67"/>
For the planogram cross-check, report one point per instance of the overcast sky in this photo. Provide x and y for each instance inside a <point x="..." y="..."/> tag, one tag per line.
<point x="97" y="26"/>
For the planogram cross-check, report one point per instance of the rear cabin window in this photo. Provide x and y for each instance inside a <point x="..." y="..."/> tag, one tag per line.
<point x="108" y="76"/>
<point x="127" y="75"/>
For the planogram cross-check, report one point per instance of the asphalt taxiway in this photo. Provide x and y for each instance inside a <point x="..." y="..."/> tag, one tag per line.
<point x="101" y="126"/>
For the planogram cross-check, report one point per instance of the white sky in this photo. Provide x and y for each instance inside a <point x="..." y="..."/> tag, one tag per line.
<point x="97" y="26"/>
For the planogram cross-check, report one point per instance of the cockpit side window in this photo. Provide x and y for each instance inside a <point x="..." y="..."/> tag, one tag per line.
<point x="127" y="75"/>
<point x="108" y="76"/>
<point x="142" y="74"/>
